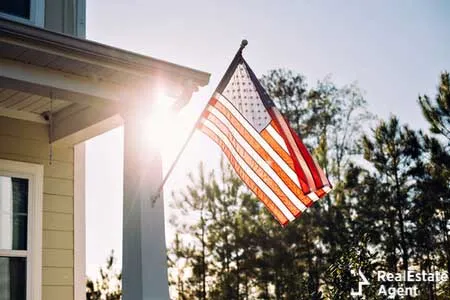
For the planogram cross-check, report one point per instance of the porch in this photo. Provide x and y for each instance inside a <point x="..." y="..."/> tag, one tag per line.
<point x="63" y="90"/>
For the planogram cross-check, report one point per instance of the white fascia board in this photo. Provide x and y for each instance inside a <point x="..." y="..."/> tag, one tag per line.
<point x="79" y="214"/>
<point x="41" y="81"/>
<point x="84" y="124"/>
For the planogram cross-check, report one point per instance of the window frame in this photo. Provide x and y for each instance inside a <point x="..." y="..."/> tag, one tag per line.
<point x="37" y="14"/>
<point x="35" y="175"/>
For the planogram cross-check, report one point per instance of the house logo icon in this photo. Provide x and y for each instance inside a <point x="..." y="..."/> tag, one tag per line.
<point x="362" y="282"/>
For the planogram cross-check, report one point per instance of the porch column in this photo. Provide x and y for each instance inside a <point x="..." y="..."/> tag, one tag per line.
<point x="144" y="248"/>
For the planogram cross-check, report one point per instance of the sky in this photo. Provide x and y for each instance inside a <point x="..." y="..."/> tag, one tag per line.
<point x="394" y="50"/>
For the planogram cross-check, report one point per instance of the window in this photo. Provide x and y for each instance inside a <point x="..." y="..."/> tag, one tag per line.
<point x="20" y="230"/>
<point x="25" y="11"/>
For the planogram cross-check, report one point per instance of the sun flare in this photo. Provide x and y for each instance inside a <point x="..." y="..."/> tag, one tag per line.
<point x="164" y="128"/>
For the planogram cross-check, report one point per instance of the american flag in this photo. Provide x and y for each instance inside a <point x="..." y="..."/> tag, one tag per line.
<point x="261" y="146"/>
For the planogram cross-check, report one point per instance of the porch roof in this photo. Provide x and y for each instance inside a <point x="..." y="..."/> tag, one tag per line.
<point x="89" y="82"/>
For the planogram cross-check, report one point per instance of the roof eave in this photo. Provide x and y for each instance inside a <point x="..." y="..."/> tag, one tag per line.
<point x="95" y="53"/>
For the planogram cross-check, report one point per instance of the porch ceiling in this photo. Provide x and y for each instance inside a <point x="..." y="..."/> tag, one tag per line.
<point x="89" y="82"/>
<point x="30" y="103"/>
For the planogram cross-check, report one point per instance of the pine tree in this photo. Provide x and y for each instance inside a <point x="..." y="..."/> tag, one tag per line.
<point x="438" y="113"/>
<point x="194" y="204"/>
<point x="389" y="212"/>
<point x="328" y="119"/>
<point x="394" y="153"/>
<point x="433" y="190"/>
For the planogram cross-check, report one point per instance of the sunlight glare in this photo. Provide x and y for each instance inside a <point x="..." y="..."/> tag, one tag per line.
<point x="164" y="127"/>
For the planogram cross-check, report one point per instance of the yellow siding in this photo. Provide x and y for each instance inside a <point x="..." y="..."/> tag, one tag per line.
<point x="58" y="204"/>
<point x="28" y="142"/>
<point x="57" y="292"/>
<point x="54" y="239"/>
<point x="57" y="276"/>
<point x="57" y="258"/>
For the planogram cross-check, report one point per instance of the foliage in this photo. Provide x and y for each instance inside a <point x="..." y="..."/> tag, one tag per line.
<point x="438" y="114"/>
<point x="390" y="208"/>
<point x="108" y="286"/>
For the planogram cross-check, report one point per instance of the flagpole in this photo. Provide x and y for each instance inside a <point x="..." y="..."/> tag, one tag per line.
<point x="244" y="43"/>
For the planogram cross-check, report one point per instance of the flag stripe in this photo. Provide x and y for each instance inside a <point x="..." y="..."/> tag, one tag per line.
<point x="277" y="179"/>
<point x="263" y="149"/>
<point x="297" y="186"/>
<point x="278" y="149"/>
<point x="327" y="189"/>
<point x="309" y="160"/>
<point x="323" y="177"/>
<point x="286" y="174"/>
<point x="264" y="176"/>
<point x="241" y="170"/>
<point x="250" y="134"/>
<point x="284" y="155"/>
<point x="277" y="137"/>
<point x="257" y="141"/>
<point x="255" y="172"/>
<point x="313" y="196"/>
<point x="290" y="142"/>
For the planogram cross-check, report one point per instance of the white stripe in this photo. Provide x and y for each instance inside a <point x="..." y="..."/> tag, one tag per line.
<point x="258" y="138"/>
<point x="313" y="196"/>
<point x="261" y="162"/>
<point x="301" y="160"/>
<point x="261" y="184"/>
<point x="277" y="137"/>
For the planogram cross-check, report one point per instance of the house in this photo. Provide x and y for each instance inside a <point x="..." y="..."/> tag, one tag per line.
<point x="57" y="90"/>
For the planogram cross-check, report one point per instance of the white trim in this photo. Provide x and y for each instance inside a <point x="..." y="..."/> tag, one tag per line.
<point x="84" y="124"/>
<point x="22" y="115"/>
<point x="35" y="175"/>
<point x="152" y="72"/>
<point x="79" y="270"/>
<point x="81" y="18"/>
<point x="13" y="253"/>
<point x="37" y="14"/>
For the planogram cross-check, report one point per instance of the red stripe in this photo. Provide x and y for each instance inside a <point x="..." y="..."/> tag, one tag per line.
<point x="309" y="160"/>
<point x="255" y="166"/>
<point x="257" y="146"/>
<point x="298" y="169"/>
<point x="285" y="156"/>
<point x="213" y="101"/>
<point x="277" y="147"/>
<point x="323" y="177"/>
<point x="273" y="209"/>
